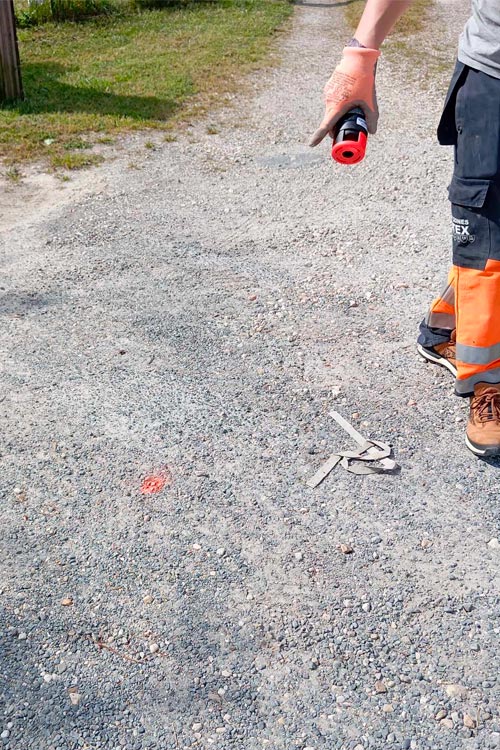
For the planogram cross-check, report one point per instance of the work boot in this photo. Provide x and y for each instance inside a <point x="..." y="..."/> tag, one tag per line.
<point x="483" y="429"/>
<point x="442" y="354"/>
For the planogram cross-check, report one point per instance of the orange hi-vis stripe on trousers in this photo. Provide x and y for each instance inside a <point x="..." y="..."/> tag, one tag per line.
<point x="471" y="304"/>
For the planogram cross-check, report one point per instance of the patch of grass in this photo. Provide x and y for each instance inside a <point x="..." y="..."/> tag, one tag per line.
<point x="14" y="175"/>
<point x="74" y="161"/>
<point x="119" y="73"/>
<point x="44" y="11"/>
<point x="411" y="22"/>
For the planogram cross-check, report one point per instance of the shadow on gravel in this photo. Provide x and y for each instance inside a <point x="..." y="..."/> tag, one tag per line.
<point x="19" y="304"/>
<point x="493" y="462"/>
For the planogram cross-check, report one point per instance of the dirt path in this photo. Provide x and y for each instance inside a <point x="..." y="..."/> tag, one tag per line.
<point x="204" y="313"/>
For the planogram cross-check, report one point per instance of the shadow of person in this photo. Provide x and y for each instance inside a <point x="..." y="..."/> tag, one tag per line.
<point x="46" y="92"/>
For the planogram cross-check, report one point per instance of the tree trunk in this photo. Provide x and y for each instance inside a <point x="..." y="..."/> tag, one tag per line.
<point x="11" y="86"/>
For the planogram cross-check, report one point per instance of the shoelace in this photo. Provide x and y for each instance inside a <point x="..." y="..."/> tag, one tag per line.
<point x="487" y="406"/>
<point x="450" y="352"/>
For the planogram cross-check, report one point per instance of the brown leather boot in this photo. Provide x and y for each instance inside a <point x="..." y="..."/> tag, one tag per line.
<point x="442" y="354"/>
<point x="483" y="429"/>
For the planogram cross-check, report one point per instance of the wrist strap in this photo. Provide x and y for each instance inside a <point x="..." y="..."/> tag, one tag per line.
<point x="354" y="43"/>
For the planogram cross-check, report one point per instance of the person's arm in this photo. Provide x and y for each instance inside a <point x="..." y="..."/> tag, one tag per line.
<point x="353" y="81"/>
<point x="378" y="19"/>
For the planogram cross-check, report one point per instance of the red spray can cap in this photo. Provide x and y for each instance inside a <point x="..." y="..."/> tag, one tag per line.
<point x="351" y="134"/>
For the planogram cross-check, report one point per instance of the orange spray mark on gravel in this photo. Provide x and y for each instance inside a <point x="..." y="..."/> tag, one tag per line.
<point x="155" y="483"/>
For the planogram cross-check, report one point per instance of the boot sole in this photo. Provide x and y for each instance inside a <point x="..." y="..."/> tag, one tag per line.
<point x="485" y="451"/>
<point x="436" y="359"/>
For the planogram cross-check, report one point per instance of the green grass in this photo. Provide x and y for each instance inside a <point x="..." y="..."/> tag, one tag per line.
<point x="88" y="81"/>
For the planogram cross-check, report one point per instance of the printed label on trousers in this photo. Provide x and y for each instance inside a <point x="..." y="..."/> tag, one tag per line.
<point x="461" y="231"/>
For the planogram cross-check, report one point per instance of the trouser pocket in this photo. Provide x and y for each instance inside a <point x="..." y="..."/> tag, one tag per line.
<point x="471" y="231"/>
<point x="447" y="128"/>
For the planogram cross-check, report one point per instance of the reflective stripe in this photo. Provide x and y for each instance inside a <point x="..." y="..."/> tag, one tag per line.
<point x="478" y="355"/>
<point x="466" y="387"/>
<point x="441" y="320"/>
<point x="448" y="295"/>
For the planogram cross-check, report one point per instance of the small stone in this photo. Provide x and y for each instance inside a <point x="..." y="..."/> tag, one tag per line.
<point x="220" y="552"/>
<point x="494" y="543"/>
<point x="456" y="691"/>
<point x="387" y="708"/>
<point x="446" y="723"/>
<point x="366" y="607"/>
<point x="346" y="549"/>
<point x="5" y="734"/>
<point x="469" y="721"/>
<point x="147" y="599"/>
<point x="426" y="543"/>
<point x="197" y="726"/>
<point x="154" y="648"/>
<point x="220" y="730"/>
<point x="226" y="673"/>
<point x="74" y="698"/>
<point x="411" y="402"/>
<point x="67" y="601"/>
<point x="380" y="687"/>
<point x="197" y="547"/>
<point x="22" y="636"/>
<point x="252" y="297"/>
<point x="299" y="556"/>
<point x="441" y="714"/>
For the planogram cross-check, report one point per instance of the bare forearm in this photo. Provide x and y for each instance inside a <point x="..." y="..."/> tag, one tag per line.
<point x="378" y="19"/>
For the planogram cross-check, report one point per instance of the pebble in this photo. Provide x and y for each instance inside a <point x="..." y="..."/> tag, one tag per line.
<point x="469" y="721"/>
<point x="456" y="691"/>
<point x="147" y="599"/>
<point x="346" y="549"/>
<point x="197" y="726"/>
<point x="154" y="648"/>
<point x="220" y="552"/>
<point x="299" y="556"/>
<point x="446" y="723"/>
<point x="380" y="687"/>
<point x="22" y="636"/>
<point x="5" y="734"/>
<point x="441" y="714"/>
<point x="494" y="543"/>
<point x="74" y="698"/>
<point x="366" y="607"/>
<point x="67" y="601"/>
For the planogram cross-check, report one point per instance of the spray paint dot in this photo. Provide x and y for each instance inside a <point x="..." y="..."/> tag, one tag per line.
<point x="155" y="483"/>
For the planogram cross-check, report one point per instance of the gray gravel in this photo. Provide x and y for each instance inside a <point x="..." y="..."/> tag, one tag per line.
<point x="204" y="313"/>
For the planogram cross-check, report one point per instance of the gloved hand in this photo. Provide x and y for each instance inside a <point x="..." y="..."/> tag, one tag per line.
<point x="351" y="85"/>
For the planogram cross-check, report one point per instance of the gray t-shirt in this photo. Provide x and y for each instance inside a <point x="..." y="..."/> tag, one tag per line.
<point x="479" y="45"/>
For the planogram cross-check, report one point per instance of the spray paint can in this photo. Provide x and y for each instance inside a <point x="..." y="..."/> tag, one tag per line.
<point x="351" y="134"/>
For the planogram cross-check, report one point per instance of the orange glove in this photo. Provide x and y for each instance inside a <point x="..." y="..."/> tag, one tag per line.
<point x="351" y="85"/>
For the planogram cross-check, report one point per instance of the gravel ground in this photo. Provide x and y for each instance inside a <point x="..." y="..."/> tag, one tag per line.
<point x="199" y="316"/>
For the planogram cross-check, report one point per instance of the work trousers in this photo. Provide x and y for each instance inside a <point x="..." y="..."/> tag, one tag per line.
<point x="470" y="303"/>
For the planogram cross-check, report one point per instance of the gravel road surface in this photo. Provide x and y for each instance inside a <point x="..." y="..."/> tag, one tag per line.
<point x="197" y="318"/>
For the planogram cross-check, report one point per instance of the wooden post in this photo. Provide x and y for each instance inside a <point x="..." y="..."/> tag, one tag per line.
<point x="11" y="86"/>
